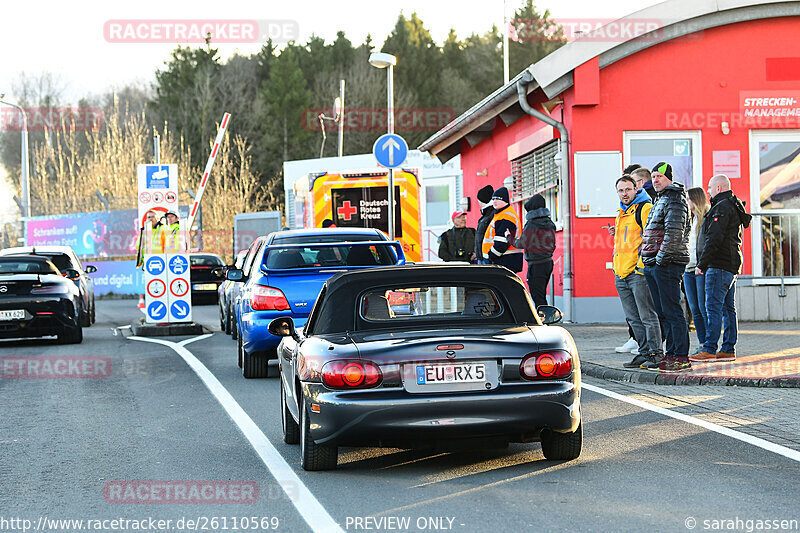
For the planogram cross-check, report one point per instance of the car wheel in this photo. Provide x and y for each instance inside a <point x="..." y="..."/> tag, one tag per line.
<point x="562" y="446"/>
<point x="94" y="313"/>
<point x="86" y="319"/>
<point x="234" y="330"/>
<point x="239" y="353"/>
<point x="314" y="456"/>
<point x="71" y="336"/>
<point x="228" y="327"/>
<point x="221" y="319"/>
<point x="253" y="366"/>
<point x="291" y="430"/>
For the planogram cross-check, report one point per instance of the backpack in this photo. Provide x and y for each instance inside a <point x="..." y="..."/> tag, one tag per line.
<point x="638" y="215"/>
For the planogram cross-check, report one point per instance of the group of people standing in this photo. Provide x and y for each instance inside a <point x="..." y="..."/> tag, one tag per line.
<point x="664" y="237"/>
<point x="501" y="239"/>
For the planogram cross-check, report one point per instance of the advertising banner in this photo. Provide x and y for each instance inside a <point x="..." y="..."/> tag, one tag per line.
<point x="117" y="277"/>
<point x="99" y="234"/>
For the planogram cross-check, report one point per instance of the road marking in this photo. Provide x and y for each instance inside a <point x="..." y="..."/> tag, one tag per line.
<point x="315" y="515"/>
<point x="728" y="432"/>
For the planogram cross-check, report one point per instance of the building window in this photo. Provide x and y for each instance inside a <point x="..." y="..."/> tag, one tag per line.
<point x="775" y="201"/>
<point x="537" y="173"/>
<point x="681" y="149"/>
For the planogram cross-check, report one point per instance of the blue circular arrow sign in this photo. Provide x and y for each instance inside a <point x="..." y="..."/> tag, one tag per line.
<point x="180" y="309"/>
<point x="157" y="310"/>
<point x="390" y="150"/>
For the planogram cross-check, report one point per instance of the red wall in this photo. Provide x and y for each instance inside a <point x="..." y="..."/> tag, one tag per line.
<point x="680" y="85"/>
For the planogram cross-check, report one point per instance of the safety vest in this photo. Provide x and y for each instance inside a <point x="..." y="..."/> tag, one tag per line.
<point x="156" y="244"/>
<point x="489" y="237"/>
<point x="169" y="238"/>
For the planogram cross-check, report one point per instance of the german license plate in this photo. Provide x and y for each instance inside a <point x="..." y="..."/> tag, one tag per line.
<point x="14" y="314"/>
<point x="205" y="287"/>
<point x="452" y="373"/>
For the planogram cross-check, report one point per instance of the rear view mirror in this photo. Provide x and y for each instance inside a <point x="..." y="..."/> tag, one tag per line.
<point x="72" y="274"/>
<point x="90" y="269"/>
<point x="549" y="314"/>
<point x="234" y="274"/>
<point x="283" y="327"/>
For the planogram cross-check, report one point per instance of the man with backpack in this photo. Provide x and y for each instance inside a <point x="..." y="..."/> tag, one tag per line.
<point x="637" y="302"/>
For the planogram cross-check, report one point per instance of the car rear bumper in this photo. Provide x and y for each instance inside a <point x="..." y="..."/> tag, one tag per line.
<point x="256" y="337"/>
<point x="394" y="417"/>
<point x="43" y="317"/>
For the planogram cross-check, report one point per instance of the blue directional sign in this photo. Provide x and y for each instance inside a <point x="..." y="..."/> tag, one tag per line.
<point x="180" y="309"/>
<point x="390" y="150"/>
<point x="178" y="265"/>
<point x="154" y="266"/>
<point x="157" y="311"/>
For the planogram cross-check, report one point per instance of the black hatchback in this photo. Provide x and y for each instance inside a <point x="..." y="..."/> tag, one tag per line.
<point x="204" y="277"/>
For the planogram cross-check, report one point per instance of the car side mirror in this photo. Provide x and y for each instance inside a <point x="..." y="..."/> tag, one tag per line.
<point x="90" y="269"/>
<point x="72" y="274"/>
<point x="218" y="272"/>
<point x="234" y="274"/>
<point x="283" y="327"/>
<point x="549" y="314"/>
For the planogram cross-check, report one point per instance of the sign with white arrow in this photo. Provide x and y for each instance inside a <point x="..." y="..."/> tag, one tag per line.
<point x="390" y="150"/>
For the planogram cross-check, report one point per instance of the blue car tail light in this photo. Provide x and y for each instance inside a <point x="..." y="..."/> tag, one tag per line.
<point x="268" y="298"/>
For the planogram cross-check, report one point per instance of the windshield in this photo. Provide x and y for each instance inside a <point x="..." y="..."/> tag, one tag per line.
<point x="21" y="266"/>
<point x="430" y="303"/>
<point x="332" y="237"/>
<point x="320" y="256"/>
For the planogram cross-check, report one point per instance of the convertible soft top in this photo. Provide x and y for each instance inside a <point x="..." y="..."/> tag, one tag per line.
<point x="341" y="291"/>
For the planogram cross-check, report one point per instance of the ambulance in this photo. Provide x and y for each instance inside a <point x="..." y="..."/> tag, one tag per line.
<point x="360" y="199"/>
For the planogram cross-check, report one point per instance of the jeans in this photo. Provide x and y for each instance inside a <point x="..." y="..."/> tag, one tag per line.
<point x="538" y="278"/>
<point x="640" y="312"/>
<point x="720" y="306"/>
<point x="695" y="287"/>
<point x="665" y="285"/>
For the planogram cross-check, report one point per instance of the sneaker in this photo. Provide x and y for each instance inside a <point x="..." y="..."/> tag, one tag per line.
<point x="673" y="365"/>
<point x="635" y="351"/>
<point x="636" y="362"/>
<point x="725" y="356"/>
<point x="651" y="362"/>
<point x="627" y="347"/>
<point x="703" y="357"/>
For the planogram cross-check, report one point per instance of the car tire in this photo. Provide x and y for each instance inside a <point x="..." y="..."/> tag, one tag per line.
<point x="234" y="330"/>
<point x="94" y="312"/>
<point x="291" y="429"/>
<point x="252" y="366"/>
<point x="71" y="336"/>
<point x="562" y="446"/>
<point x="239" y="354"/>
<point x="313" y="456"/>
<point x="221" y="319"/>
<point x="228" y="321"/>
<point x="86" y="319"/>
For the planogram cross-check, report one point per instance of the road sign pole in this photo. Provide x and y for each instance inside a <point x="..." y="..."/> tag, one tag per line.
<point x="390" y="124"/>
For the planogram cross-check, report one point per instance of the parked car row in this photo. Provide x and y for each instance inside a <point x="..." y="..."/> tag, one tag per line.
<point x="373" y="352"/>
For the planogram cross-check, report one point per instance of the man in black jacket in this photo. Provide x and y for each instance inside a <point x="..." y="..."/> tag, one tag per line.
<point x="487" y="213"/>
<point x="665" y="253"/>
<point x="457" y="243"/>
<point x="719" y="257"/>
<point x="538" y="239"/>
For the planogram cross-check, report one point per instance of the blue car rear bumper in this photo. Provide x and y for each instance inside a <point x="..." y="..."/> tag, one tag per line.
<point x="253" y="329"/>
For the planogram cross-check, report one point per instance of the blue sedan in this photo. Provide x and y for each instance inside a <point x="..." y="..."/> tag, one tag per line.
<point x="285" y="277"/>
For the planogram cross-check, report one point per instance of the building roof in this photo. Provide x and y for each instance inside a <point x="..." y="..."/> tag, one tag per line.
<point x="553" y="73"/>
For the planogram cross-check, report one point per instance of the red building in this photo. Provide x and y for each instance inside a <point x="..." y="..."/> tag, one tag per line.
<point x="712" y="90"/>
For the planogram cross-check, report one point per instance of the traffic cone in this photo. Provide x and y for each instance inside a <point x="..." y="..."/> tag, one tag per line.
<point x="140" y="306"/>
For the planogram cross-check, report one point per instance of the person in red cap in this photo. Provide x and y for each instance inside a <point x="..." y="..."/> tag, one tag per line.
<point x="457" y="243"/>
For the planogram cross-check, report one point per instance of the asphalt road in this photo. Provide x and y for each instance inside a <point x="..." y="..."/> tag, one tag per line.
<point x="66" y="444"/>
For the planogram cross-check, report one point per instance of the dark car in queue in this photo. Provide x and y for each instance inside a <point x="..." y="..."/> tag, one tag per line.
<point x="70" y="266"/>
<point x="224" y="292"/>
<point x="37" y="301"/>
<point x="284" y="279"/>
<point x="468" y="359"/>
<point x="204" y="276"/>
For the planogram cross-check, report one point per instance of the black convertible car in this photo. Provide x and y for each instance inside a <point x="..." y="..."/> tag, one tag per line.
<point x="416" y="355"/>
<point x="37" y="301"/>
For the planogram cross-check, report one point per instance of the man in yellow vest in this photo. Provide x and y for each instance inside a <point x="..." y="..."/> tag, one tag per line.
<point x="501" y="233"/>
<point x="169" y="234"/>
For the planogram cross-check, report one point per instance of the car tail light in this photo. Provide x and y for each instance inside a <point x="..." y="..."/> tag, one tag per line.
<point x="546" y="365"/>
<point x="351" y="374"/>
<point x="49" y="289"/>
<point x="268" y="298"/>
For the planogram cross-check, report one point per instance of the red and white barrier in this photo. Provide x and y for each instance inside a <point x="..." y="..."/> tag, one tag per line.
<point x="199" y="196"/>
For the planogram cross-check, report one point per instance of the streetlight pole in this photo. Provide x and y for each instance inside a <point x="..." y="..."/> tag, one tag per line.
<point x="24" y="163"/>
<point x="382" y="60"/>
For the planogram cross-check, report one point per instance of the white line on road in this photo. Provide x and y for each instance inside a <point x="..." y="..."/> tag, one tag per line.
<point x="304" y="501"/>
<point x="722" y="430"/>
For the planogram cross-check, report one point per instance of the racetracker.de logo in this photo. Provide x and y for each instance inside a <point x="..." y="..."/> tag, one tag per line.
<point x="55" y="367"/>
<point x="197" y="31"/>
<point x="51" y="118"/>
<point x="180" y="492"/>
<point x="374" y="119"/>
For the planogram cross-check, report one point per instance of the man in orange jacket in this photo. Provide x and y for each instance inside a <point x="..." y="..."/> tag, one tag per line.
<point x="501" y="233"/>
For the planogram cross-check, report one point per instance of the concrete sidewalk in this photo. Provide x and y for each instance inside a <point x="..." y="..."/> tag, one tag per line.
<point x="767" y="355"/>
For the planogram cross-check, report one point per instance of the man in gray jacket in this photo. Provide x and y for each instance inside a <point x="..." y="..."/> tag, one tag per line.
<point x="665" y="253"/>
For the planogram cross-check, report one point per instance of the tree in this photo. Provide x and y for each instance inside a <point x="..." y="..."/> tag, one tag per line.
<point x="535" y="36"/>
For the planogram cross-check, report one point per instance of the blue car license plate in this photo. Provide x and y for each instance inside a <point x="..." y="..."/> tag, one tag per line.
<point x="452" y="373"/>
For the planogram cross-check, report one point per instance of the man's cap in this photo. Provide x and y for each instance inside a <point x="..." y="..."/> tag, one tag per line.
<point x="457" y="213"/>
<point x="664" y="168"/>
<point x="485" y="194"/>
<point x="501" y="194"/>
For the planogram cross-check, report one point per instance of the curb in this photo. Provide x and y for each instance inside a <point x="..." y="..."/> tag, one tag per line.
<point x="657" y="378"/>
<point x="140" y="329"/>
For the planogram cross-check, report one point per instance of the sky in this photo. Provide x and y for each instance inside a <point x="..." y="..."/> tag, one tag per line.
<point x="68" y="38"/>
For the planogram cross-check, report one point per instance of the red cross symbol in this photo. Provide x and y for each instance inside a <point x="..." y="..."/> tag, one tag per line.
<point x="347" y="210"/>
